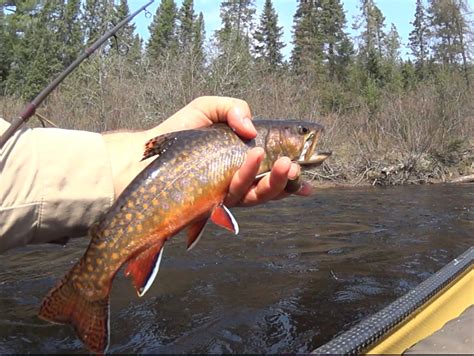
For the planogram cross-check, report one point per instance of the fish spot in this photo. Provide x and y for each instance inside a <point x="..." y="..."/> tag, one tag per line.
<point x="115" y="256"/>
<point x="145" y="206"/>
<point x="130" y="204"/>
<point x="153" y="189"/>
<point x="128" y="216"/>
<point x="154" y="202"/>
<point x="139" y="228"/>
<point x="98" y="261"/>
<point x="130" y="229"/>
<point x="90" y="268"/>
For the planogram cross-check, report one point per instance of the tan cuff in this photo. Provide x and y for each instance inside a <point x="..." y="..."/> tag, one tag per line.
<point x="54" y="183"/>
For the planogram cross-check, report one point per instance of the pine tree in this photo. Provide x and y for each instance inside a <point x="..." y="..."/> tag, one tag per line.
<point x="186" y="19"/>
<point x="127" y="38"/>
<point x="308" y="37"/>
<point x="37" y="52"/>
<point x="418" y="38"/>
<point x="337" y="45"/>
<point x="163" y="30"/>
<point x="199" y="35"/>
<point x="449" y="29"/>
<point x="5" y="50"/>
<point x="343" y="60"/>
<point x="70" y="32"/>
<point x="98" y="17"/>
<point x="268" y="37"/>
<point x="392" y="45"/>
<point x="237" y="20"/>
<point x="232" y="62"/>
<point x="371" y="47"/>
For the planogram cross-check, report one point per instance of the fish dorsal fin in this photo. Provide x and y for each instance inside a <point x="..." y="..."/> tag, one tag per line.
<point x="144" y="268"/>
<point x="158" y="145"/>
<point x="223" y="217"/>
<point x="195" y="233"/>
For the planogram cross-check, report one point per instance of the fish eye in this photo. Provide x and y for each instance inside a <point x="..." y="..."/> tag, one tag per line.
<point x="302" y="130"/>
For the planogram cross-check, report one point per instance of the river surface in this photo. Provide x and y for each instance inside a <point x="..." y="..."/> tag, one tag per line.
<point x="300" y="272"/>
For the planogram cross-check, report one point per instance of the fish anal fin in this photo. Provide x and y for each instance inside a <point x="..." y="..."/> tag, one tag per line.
<point x="144" y="268"/>
<point x="158" y="145"/>
<point x="223" y="217"/>
<point x="90" y="318"/>
<point x="195" y="233"/>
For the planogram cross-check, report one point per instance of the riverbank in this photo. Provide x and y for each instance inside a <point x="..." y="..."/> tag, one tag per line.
<point x="415" y="135"/>
<point x="456" y="166"/>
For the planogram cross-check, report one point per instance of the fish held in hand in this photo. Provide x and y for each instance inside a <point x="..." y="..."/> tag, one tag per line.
<point x="182" y="188"/>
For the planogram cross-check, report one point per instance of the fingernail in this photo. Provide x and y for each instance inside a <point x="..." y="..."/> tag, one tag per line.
<point x="247" y="124"/>
<point x="294" y="172"/>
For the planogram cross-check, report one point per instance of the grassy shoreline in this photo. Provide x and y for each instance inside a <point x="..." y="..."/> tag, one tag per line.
<point x="393" y="135"/>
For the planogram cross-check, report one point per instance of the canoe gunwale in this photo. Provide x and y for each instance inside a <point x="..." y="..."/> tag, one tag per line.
<point x="374" y="329"/>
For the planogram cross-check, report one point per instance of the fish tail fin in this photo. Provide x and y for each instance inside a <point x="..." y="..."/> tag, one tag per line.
<point x="90" y="318"/>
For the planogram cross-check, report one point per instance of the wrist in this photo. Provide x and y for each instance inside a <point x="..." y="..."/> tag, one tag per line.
<point x="125" y="151"/>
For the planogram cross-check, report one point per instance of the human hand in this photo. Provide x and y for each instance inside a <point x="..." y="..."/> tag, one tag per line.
<point x="202" y="112"/>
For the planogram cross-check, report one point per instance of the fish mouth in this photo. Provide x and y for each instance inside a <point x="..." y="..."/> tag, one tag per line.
<point x="316" y="159"/>
<point x="307" y="153"/>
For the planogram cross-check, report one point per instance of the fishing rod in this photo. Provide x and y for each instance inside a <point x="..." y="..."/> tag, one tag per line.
<point x="30" y="108"/>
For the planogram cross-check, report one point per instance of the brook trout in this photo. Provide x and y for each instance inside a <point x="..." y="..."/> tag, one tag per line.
<point x="183" y="187"/>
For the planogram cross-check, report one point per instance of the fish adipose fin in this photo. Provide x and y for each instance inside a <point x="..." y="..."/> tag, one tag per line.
<point x="223" y="217"/>
<point x="158" y="145"/>
<point x="195" y="233"/>
<point x="90" y="318"/>
<point x="144" y="268"/>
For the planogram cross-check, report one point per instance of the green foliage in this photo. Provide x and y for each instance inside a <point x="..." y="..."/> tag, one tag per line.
<point x="70" y="31"/>
<point x="129" y="43"/>
<point x="320" y="42"/>
<point x="185" y="28"/>
<point x="37" y="51"/>
<point x="231" y="67"/>
<point x="268" y="37"/>
<point x="98" y="16"/>
<point x="163" y="31"/>
<point x="237" y="20"/>
<point x="418" y="38"/>
<point x="199" y="36"/>
<point x="307" y="53"/>
<point x="450" y="30"/>
<point x="5" y="50"/>
<point x="39" y="38"/>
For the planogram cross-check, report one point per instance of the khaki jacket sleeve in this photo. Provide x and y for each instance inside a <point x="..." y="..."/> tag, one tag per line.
<point x="54" y="183"/>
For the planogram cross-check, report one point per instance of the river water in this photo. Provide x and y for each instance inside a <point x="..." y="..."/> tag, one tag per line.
<point x="300" y="272"/>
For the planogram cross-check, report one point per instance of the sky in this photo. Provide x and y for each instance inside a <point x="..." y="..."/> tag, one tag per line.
<point x="399" y="12"/>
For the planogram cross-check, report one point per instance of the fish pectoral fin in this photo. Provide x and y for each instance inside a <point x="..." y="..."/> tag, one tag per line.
<point x="158" y="145"/>
<point x="261" y="175"/>
<point x="195" y="233"/>
<point x="144" y="268"/>
<point x="223" y="217"/>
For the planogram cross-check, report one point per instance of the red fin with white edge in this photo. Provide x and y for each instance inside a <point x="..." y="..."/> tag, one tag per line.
<point x="223" y="217"/>
<point x="90" y="318"/>
<point x="144" y="268"/>
<point x="195" y="233"/>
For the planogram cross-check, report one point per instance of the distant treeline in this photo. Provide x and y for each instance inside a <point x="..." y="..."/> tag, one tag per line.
<point x="381" y="111"/>
<point x="39" y="38"/>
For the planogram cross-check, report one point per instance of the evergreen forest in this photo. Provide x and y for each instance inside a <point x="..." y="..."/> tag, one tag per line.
<point x="391" y="117"/>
